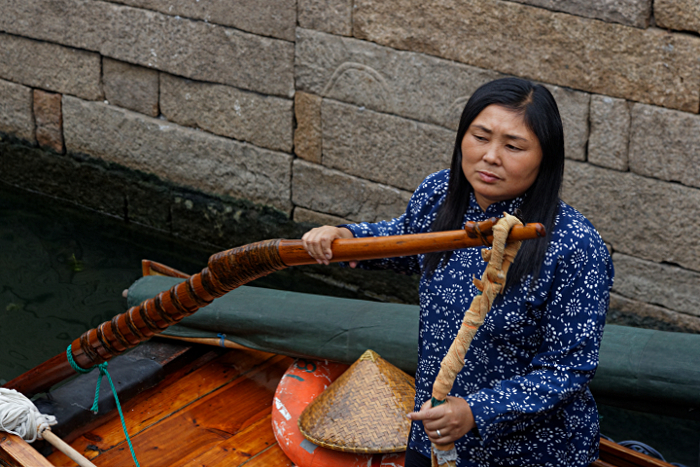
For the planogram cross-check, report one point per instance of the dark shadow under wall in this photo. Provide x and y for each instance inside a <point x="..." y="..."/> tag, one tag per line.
<point x="211" y="222"/>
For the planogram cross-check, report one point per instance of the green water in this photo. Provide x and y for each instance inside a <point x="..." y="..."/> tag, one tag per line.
<point x="63" y="270"/>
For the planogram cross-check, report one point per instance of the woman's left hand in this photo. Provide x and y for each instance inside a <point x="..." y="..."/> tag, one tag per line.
<point x="453" y="419"/>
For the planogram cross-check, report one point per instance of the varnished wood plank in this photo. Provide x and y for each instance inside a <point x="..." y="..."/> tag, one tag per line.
<point x="86" y="440"/>
<point x="238" y="449"/>
<point x="620" y="456"/>
<point x="274" y="456"/>
<point x="206" y="422"/>
<point x="176" y="370"/>
<point x="600" y="463"/>
<point x="159" y="403"/>
<point x="16" y="452"/>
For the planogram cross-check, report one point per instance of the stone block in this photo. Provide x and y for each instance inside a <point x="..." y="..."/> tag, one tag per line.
<point x="131" y="86"/>
<point x="408" y="84"/>
<point x="82" y="24"/>
<point x="331" y="16"/>
<point x="630" y="12"/>
<point x="16" y="116"/>
<point x="681" y="15"/>
<point x="189" y="48"/>
<point x="177" y="154"/>
<point x="381" y="147"/>
<point x="610" y="130"/>
<point x="573" y="108"/>
<point x="320" y="189"/>
<point x="49" y="122"/>
<point x="665" y="144"/>
<point x="50" y="67"/>
<point x="645" y="65"/>
<point x="307" y="136"/>
<point x="306" y="216"/>
<point x="274" y="18"/>
<point x="264" y="121"/>
<point x="202" y="51"/>
<point x="635" y="313"/>
<point x="636" y="214"/>
<point x="660" y="284"/>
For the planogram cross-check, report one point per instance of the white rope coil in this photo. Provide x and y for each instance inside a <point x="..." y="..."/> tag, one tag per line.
<point x="19" y="416"/>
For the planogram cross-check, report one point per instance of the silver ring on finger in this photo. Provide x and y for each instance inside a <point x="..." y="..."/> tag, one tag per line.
<point x="438" y="433"/>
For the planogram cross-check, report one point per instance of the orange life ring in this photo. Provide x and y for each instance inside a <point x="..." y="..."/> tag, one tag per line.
<point x="303" y="381"/>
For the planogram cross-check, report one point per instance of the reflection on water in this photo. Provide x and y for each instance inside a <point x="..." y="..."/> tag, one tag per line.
<point x="62" y="271"/>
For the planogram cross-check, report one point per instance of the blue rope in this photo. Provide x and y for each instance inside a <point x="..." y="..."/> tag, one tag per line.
<point x="222" y="342"/>
<point x="103" y="371"/>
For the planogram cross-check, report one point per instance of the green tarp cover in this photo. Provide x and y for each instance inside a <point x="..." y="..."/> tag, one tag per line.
<point x="652" y="371"/>
<point x="648" y="370"/>
<point x="297" y="324"/>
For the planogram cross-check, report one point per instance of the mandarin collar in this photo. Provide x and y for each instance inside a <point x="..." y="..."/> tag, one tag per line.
<point x="496" y="209"/>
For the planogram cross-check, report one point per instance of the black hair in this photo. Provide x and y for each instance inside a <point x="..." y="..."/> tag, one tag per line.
<point x="541" y="200"/>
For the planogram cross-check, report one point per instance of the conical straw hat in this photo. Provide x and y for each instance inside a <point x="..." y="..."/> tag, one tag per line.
<point x="364" y="410"/>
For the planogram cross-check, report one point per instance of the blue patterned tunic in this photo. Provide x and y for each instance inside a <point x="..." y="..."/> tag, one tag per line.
<point x="527" y="371"/>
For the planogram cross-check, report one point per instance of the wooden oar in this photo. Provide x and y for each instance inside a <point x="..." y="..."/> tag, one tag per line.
<point x="228" y="270"/>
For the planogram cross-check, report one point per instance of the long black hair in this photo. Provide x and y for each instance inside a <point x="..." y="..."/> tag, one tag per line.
<point x="541" y="200"/>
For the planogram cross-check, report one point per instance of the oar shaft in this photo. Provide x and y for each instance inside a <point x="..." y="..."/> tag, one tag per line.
<point x="293" y="253"/>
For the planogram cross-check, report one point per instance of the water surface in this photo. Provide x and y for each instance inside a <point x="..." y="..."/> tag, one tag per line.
<point x="63" y="270"/>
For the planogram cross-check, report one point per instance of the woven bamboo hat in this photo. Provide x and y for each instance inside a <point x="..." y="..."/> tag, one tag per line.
<point x="364" y="410"/>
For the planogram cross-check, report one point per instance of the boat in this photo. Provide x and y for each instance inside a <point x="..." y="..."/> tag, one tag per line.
<point x="187" y="402"/>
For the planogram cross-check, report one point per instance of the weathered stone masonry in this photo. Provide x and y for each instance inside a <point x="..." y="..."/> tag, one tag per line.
<point x="334" y="110"/>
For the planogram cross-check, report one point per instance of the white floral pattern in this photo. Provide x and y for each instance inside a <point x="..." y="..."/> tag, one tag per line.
<point x="527" y="371"/>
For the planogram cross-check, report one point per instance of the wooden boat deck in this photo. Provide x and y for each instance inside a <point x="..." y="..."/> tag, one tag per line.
<point x="214" y="411"/>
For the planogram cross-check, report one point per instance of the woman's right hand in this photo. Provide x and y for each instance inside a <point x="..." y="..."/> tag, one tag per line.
<point x="317" y="242"/>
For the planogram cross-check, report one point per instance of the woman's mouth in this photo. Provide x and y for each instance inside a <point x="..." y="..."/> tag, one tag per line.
<point x="488" y="177"/>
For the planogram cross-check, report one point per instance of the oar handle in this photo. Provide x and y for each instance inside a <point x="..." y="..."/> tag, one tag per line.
<point x="226" y="271"/>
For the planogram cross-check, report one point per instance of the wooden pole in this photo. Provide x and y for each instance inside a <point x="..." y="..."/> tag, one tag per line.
<point x="66" y="449"/>
<point x="228" y="270"/>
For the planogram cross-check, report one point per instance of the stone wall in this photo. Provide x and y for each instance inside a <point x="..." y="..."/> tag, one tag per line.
<point x="334" y="110"/>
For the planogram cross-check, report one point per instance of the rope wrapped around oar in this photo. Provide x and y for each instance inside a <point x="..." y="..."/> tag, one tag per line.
<point x="228" y="270"/>
<point x="492" y="282"/>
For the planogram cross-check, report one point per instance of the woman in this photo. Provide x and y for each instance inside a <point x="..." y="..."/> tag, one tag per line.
<point x="522" y="397"/>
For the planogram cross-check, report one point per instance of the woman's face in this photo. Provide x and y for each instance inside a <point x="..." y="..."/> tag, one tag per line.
<point x="500" y="155"/>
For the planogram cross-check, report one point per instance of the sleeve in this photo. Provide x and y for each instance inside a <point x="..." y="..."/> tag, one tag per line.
<point x="418" y="217"/>
<point x="572" y="328"/>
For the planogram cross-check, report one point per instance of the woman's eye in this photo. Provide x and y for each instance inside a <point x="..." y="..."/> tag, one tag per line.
<point x="479" y="138"/>
<point x="513" y="148"/>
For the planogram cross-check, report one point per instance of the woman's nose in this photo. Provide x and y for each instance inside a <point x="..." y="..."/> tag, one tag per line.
<point x="492" y="155"/>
